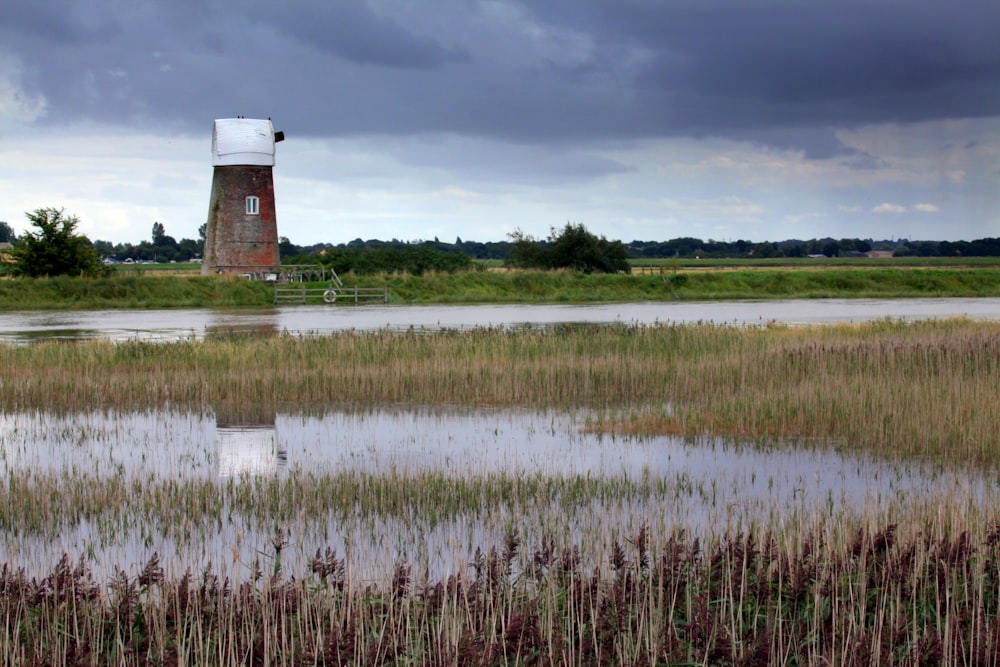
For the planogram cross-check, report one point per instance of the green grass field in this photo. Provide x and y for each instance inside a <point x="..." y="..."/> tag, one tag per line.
<point x="167" y="287"/>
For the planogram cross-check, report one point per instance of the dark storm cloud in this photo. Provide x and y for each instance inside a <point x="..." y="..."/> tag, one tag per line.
<point x="776" y="71"/>
<point x="837" y="61"/>
<point x="351" y="30"/>
<point x="58" y="22"/>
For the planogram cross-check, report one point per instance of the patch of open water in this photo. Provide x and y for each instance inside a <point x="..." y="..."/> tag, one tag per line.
<point x="197" y="323"/>
<point x="695" y="485"/>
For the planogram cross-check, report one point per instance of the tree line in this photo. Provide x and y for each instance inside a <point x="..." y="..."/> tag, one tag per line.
<point x="54" y="247"/>
<point x="160" y="248"/>
<point x="571" y="247"/>
<point x="519" y="245"/>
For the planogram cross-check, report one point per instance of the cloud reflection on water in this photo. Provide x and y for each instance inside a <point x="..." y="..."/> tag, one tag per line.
<point x="699" y="483"/>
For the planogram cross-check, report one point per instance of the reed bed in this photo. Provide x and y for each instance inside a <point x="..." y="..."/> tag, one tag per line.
<point x="433" y="519"/>
<point x="882" y="596"/>
<point x="486" y="568"/>
<point x="925" y="389"/>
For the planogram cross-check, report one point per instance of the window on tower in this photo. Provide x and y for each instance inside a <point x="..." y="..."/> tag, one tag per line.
<point x="253" y="205"/>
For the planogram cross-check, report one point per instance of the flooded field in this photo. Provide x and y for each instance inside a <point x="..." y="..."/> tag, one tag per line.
<point x="423" y="485"/>
<point x="508" y="490"/>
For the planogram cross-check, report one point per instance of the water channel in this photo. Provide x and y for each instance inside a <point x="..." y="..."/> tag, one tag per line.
<point x="186" y="323"/>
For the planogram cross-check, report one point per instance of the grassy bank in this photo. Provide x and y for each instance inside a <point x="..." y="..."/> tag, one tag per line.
<point x="820" y="263"/>
<point x="759" y="282"/>
<point x="925" y="389"/>
<point x="781" y="283"/>
<point x="131" y="291"/>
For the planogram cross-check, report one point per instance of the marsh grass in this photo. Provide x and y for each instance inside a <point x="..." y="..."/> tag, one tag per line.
<point x="926" y="389"/>
<point x="900" y="579"/>
<point x="881" y="596"/>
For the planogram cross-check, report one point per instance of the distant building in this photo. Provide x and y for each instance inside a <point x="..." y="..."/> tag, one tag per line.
<point x="241" y="234"/>
<point x="879" y="254"/>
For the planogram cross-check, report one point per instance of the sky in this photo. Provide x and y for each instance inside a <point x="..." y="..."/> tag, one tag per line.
<point x="761" y="120"/>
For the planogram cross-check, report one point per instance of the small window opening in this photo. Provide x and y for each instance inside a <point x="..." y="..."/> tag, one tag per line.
<point x="253" y="205"/>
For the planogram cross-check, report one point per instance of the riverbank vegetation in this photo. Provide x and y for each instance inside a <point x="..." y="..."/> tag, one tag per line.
<point x="132" y="291"/>
<point x="925" y="389"/>
<point x="687" y="285"/>
<point x="906" y="578"/>
<point x="139" y="288"/>
<point x="744" y="599"/>
<point x="55" y="248"/>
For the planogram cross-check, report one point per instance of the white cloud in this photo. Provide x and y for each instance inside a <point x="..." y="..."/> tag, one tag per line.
<point x="929" y="153"/>
<point x="728" y="208"/>
<point x="452" y="192"/>
<point x="334" y="190"/>
<point x="800" y="218"/>
<point x="117" y="184"/>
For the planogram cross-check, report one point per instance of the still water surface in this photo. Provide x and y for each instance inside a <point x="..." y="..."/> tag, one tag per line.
<point x="24" y="326"/>
<point x="699" y="484"/>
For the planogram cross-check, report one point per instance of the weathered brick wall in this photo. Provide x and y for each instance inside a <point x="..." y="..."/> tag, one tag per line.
<point x="234" y="240"/>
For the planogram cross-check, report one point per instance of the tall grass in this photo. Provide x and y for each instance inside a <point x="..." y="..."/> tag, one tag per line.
<point x="925" y="389"/>
<point x="909" y="579"/>
<point x="748" y="598"/>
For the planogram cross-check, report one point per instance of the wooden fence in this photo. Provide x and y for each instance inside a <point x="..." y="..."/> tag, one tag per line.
<point x="300" y="294"/>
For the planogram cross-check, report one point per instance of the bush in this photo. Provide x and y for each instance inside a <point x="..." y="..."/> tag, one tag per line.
<point x="572" y="248"/>
<point x="55" y="249"/>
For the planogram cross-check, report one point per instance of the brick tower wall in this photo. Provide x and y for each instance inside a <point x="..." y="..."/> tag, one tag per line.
<point x="236" y="241"/>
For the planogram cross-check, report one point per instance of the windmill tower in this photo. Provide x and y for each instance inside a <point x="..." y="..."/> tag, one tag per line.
<point x="241" y="234"/>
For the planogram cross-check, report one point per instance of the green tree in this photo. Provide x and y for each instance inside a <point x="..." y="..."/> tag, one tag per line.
<point x="525" y="252"/>
<point x="573" y="247"/>
<point x="104" y="248"/>
<point x="6" y="233"/>
<point x="188" y="248"/>
<point x="287" y="249"/>
<point x="831" y="249"/>
<point x="55" y="248"/>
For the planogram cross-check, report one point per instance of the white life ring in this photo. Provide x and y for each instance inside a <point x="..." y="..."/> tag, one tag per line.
<point x="330" y="295"/>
